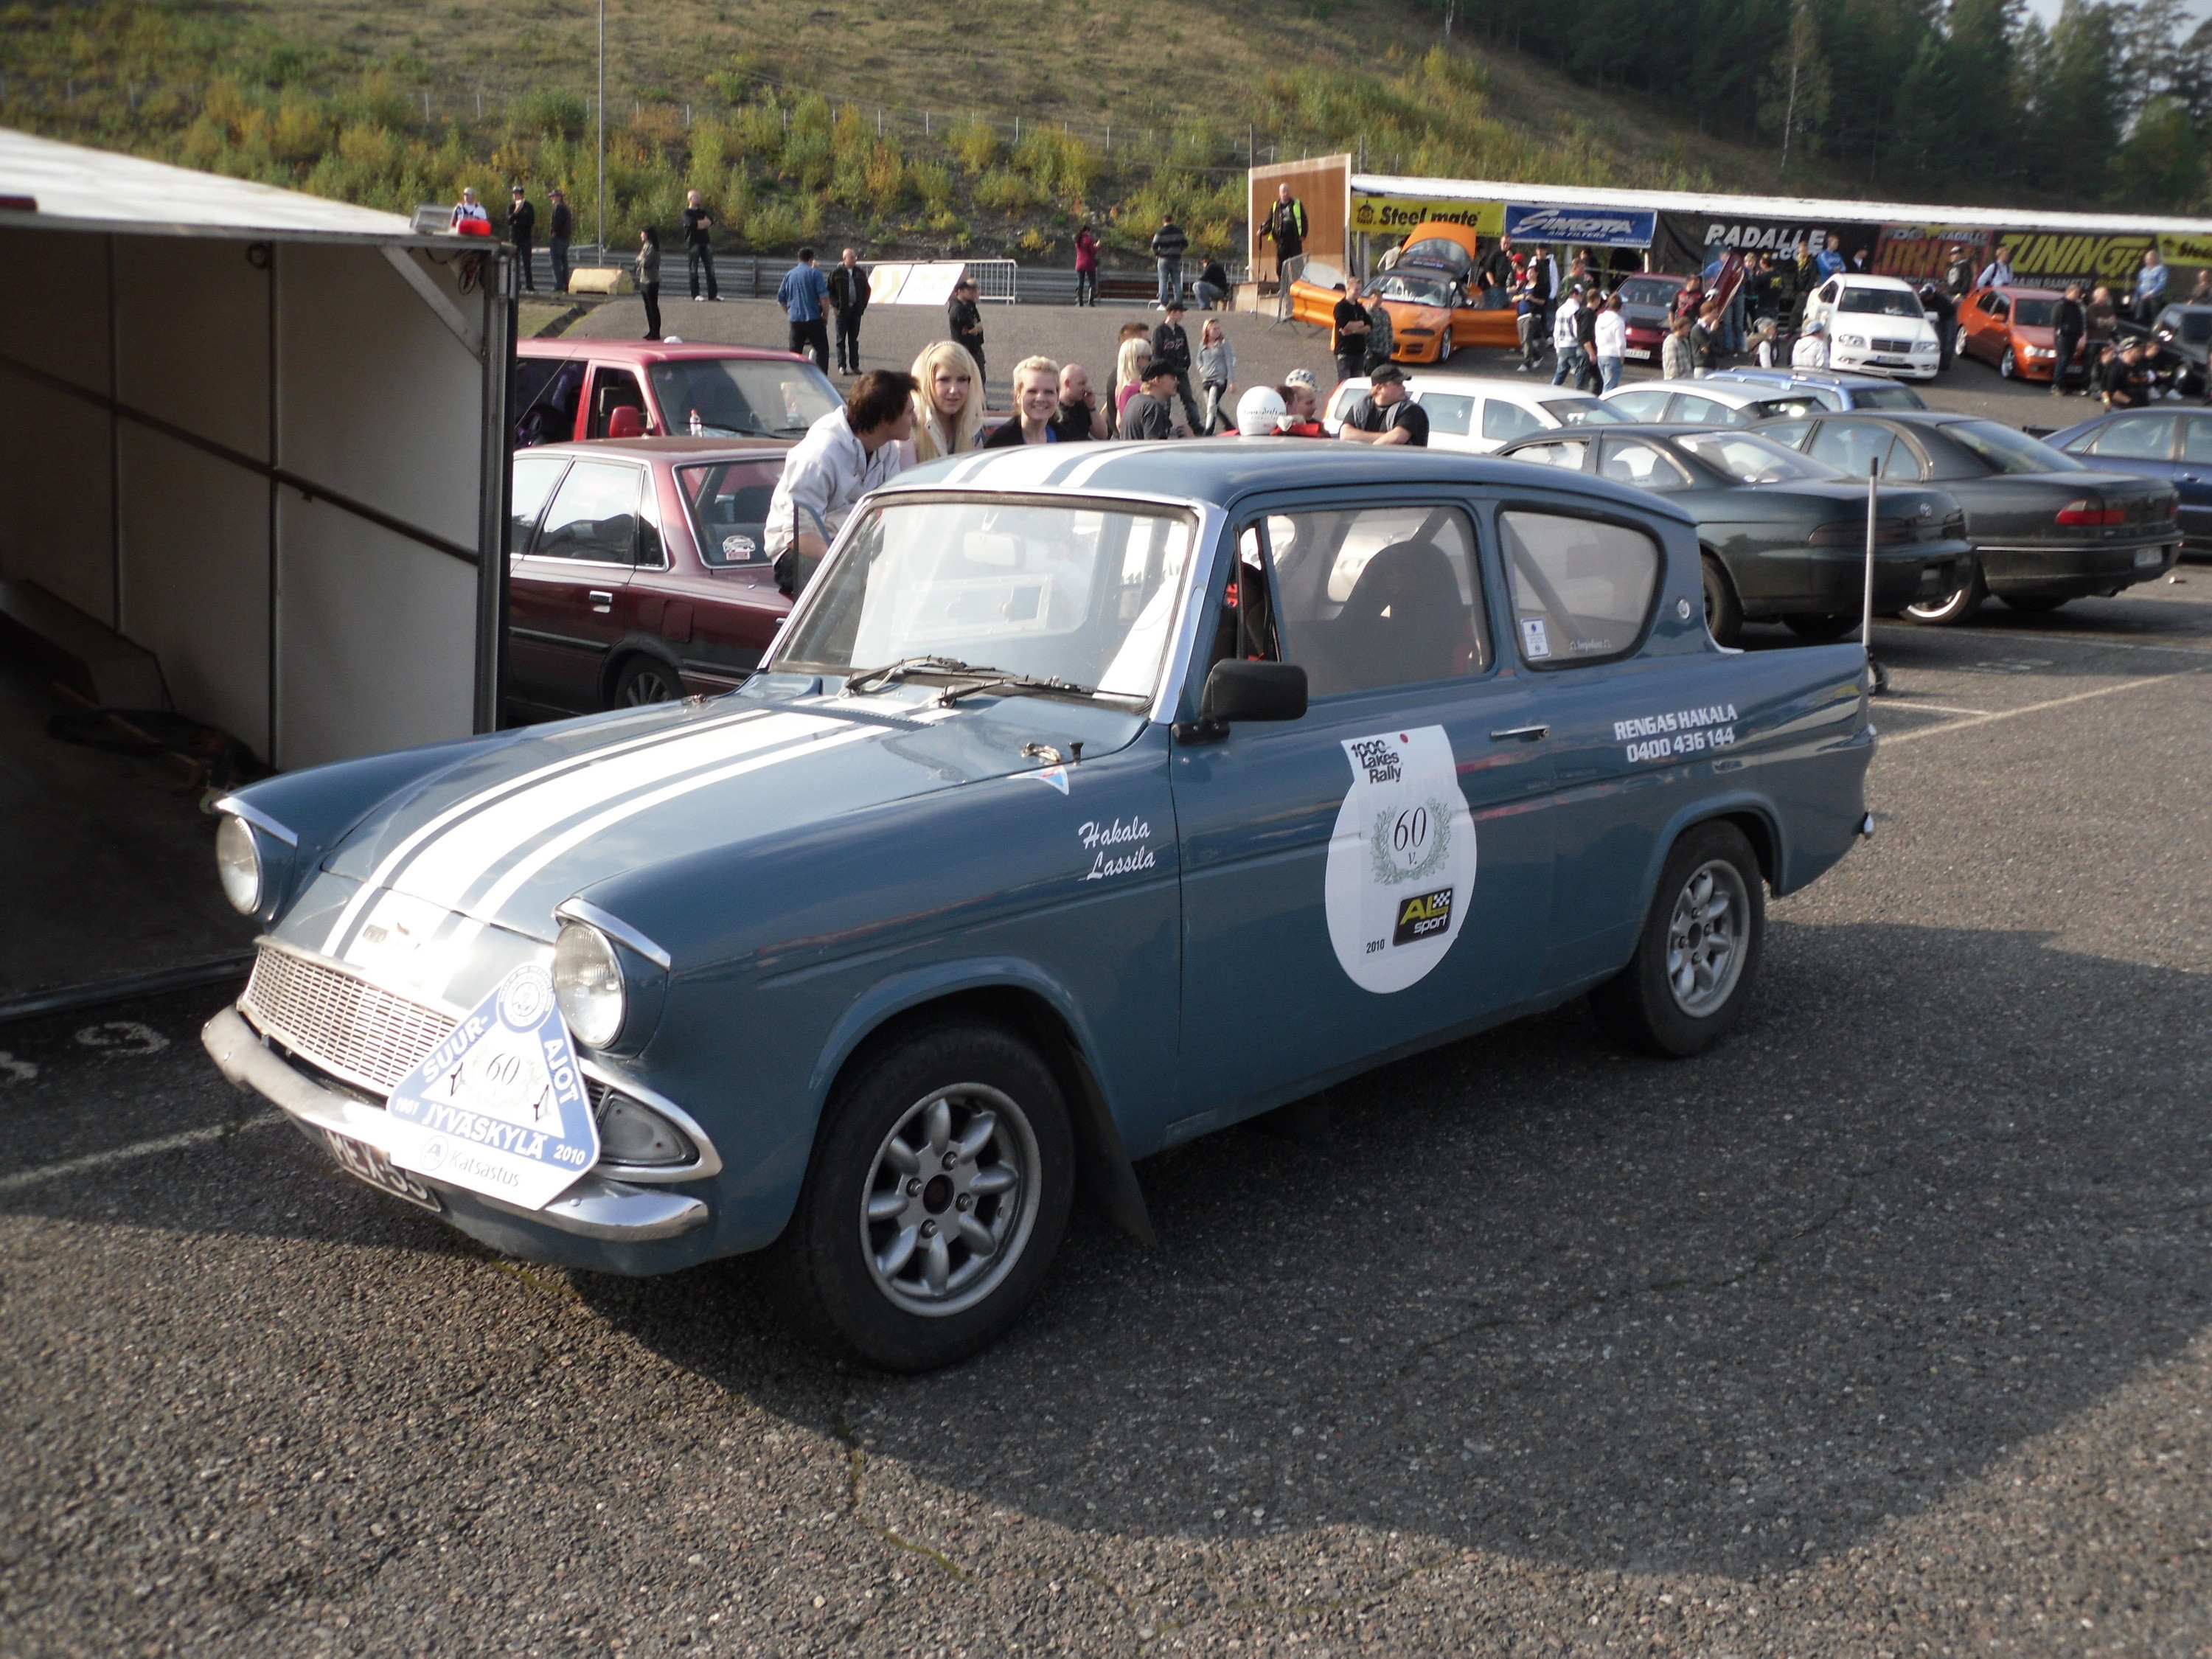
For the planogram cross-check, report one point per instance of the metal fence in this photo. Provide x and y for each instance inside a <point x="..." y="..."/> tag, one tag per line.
<point x="755" y="277"/>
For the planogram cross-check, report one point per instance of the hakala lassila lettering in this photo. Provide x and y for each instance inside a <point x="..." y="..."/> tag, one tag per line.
<point x="1683" y="731"/>
<point x="1100" y="840"/>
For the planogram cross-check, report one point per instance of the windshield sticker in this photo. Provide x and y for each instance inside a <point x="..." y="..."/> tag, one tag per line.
<point x="499" y="1107"/>
<point x="1684" y="732"/>
<point x="737" y="549"/>
<point x="1535" y="642"/>
<point x="1119" y="849"/>
<point x="1401" y="860"/>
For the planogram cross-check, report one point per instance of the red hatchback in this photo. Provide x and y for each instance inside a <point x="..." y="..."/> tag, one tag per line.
<point x="2011" y="328"/>
<point x="636" y="571"/>
<point x="582" y="389"/>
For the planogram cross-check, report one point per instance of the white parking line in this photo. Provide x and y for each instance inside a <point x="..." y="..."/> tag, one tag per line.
<point x="2087" y="643"/>
<point x="67" y="1167"/>
<point x="1913" y="706"/>
<point x="1889" y="742"/>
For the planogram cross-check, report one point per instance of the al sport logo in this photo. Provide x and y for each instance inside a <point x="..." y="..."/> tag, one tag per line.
<point x="1400" y="859"/>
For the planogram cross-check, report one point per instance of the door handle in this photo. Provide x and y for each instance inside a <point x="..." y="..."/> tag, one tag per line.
<point x="602" y="600"/>
<point x="1526" y="733"/>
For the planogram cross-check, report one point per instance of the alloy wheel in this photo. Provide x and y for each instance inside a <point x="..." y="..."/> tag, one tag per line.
<point x="1705" y="938"/>
<point x="951" y="1200"/>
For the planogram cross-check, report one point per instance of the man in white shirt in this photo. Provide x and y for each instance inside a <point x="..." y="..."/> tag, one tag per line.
<point x="1811" y="351"/>
<point x="1563" y="342"/>
<point x="1612" y="343"/>
<point x="1998" y="272"/>
<point x="843" y="456"/>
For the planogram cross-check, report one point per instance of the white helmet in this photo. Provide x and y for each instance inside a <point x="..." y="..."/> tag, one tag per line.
<point x="1258" y="410"/>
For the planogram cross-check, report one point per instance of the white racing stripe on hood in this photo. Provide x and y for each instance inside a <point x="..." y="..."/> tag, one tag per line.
<point x="448" y="870"/>
<point x="380" y="878"/>
<point x="487" y="908"/>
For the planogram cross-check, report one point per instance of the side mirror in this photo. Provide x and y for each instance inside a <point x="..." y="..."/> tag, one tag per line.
<point x="1246" y="691"/>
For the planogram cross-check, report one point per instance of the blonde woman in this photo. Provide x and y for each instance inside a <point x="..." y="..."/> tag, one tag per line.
<point x="1217" y="372"/>
<point x="948" y="403"/>
<point x="1129" y="365"/>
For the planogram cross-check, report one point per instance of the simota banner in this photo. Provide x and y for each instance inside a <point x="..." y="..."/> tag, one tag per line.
<point x="1581" y="226"/>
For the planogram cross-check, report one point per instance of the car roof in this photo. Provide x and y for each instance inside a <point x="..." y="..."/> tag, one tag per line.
<point x="1736" y="396"/>
<point x="648" y="351"/>
<point x="1492" y="386"/>
<point x="1221" y="470"/>
<point x="1908" y="417"/>
<point x="667" y="449"/>
<point x="1751" y="373"/>
<point x="2027" y="291"/>
<point x="1867" y="279"/>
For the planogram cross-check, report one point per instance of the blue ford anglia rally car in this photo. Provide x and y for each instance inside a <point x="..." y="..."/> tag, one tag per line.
<point x="1093" y="797"/>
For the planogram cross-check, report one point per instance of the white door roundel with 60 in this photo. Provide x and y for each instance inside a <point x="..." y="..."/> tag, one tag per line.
<point x="1401" y="860"/>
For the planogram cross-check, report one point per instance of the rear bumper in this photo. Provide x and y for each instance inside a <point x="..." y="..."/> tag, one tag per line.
<point x="2074" y="572"/>
<point x="611" y="1213"/>
<point x="1835" y="579"/>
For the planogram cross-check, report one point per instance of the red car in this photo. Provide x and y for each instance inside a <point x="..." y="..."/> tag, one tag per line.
<point x="1647" y="300"/>
<point x="637" y="571"/>
<point x="581" y="389"/>
<point x="2011" y="328"/>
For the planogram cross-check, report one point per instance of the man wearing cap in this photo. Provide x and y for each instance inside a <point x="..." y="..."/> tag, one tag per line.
<point x="521" y="221"/>
<point x="1149" y="414"/>
<point x="1385" y="414"/>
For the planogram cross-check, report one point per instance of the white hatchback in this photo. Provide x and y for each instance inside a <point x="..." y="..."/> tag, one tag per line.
<point x="1477" y="415"/>
<point x="1875" y="326"/>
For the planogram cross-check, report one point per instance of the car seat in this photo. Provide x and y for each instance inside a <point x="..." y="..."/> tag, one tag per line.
<point x="625" y="421"/>
<point x="1404" y="623"/>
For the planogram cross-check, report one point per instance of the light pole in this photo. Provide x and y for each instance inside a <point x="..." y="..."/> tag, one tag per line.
<point x="603" y="129"/>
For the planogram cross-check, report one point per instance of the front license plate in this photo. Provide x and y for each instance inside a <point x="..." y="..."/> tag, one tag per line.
<point x="364" y="1163"/>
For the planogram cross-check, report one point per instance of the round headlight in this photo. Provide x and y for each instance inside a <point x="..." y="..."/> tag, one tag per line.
<point x="238" y="862"/>
<point x="587" y="984"/>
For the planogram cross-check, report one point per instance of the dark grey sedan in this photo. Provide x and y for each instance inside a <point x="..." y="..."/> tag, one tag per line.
<point x="1784" y="536"/>
<point x="2046" y="528"/>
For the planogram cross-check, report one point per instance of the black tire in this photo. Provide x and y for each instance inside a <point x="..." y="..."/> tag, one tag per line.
<point x="2033" y="607"/>
<point x="1723" y="610"/>
<point x="1444" y="350"/>
<point x="1640" y="1007"/>
<point x="1820" y="628"/>
<point x="644" y="680"/>
<point x="2009" y="365"/>
<point x="830" y="1261"/>
<point x="1959" y="344"/>
<point x="1955" y="607"/>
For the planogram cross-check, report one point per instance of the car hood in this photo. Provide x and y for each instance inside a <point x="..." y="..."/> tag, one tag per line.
<point x="503" y="839"/>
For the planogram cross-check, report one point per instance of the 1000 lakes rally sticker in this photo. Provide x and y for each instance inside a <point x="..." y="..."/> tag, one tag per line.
<point x="1401" y="860"/>
<point x="499" y="1107"/>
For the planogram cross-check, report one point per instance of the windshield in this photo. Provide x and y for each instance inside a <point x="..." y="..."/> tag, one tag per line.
<point x="1753" y="460"/>
<point x="1078" y="592"/>
<point x="1413" y="288"/>
<point x="1437" y="251"/>
<point x="1643" y="291"/>
<point x="2194" y="326"/>
<point x="1879" y="302"/>
<point x="2007" y="451"/>
<point x="742" y="396"/>
<point x="1583" y="411"/>
<point x="1886" y="397"/>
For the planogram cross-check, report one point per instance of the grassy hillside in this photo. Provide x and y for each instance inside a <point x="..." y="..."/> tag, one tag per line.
<point x="918" y="126"/>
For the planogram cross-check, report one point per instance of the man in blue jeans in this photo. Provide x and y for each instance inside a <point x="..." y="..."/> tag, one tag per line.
<point x="802" y="293"/>
<point x="1167" y="245"/>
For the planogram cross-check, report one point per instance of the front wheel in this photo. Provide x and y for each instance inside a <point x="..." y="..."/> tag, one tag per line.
<point x="1959" y="342"/>
<point x="1957" y="605"/>
<point x="2009" y="365"/>
<point x="939" y="1190"/>
<point x="1444" y="349"/>
<point x="1699" y="953"/>
<point x="1723" y="610"/>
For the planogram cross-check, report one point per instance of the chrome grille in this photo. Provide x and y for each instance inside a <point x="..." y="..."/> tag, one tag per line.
<point x="1905" y="346"/>
<point x="345" y="1025"/>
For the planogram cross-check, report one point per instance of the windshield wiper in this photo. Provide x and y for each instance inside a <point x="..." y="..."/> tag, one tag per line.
<point x="880" y="679"/>
<point x="1000" y="680"/>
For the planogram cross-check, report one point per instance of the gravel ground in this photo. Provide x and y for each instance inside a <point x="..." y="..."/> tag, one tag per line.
<point x="1881" y="1330"/>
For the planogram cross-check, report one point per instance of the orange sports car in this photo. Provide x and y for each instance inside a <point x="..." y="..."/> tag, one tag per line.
<point x="1426" y="294"/>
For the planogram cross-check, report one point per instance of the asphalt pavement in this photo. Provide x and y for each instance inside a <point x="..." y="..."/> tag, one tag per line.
<point x="1881" y="1329"/>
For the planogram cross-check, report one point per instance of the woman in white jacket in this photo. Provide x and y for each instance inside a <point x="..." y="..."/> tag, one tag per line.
<point x="1612" y="343"/>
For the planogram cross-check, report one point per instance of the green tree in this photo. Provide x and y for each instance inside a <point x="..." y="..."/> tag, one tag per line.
<point x="1794" y="95"/>
<point x="2161" y="165"/>
<point x="2077" y="113"/>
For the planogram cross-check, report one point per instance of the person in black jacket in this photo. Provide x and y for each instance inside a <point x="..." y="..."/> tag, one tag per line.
<point x="848" y="298"/>
<point x="1350" y="329"/>
<point x="1167" y="245"/>
<point x="563" y="222"/>
<point x="1171" y="350"/>
<point x="1943" y="314"/>
<point x="965" y="324"/>
<point x="698" y="250"/>
<point x="2068" y="323"/>
<point x="521" y="220"/>
<point x="1148" y="415"/>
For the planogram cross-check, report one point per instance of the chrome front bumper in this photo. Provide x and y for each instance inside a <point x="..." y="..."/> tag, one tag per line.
<point x="595" y="1208"/>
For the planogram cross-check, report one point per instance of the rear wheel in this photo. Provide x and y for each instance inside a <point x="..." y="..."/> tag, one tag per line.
<point x="1723" y="610"/>
<point x="939" y="1190"/>
<point x="1955" y="606"/>
<point x="2009" y="365"/>
<point x="1699" y="953"/>
<point x="642" y="680"/>
<point x="2033" y="607"/>
<point x="1820" y="628"/>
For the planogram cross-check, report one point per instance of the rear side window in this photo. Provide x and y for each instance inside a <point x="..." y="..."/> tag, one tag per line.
<point x="1858" y="447"/>
<point x="1640" y="405"/>
<point x="534" y="478"/>
<point x="1633" y="461"/>
<point x="1706" y="411"/>
<point x="1505" y="422"/>
<point x="594" y="515"/>
<point x="2136" y="438"/>
<point x="2196" y="439"/>
<point x="1570" y="452"/>
<point x="1450" y="412"/>
<point x="1582" y="588"/>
